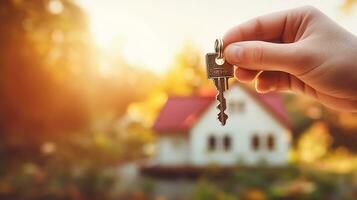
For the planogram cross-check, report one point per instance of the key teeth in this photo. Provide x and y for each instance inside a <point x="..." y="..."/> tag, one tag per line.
<point x="221" y="105"/>
<point x="222" y="117"/>
<point x="218" y="98"/>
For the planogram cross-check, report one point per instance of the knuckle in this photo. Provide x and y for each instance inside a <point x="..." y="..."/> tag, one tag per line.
<point x="310" y="10"/>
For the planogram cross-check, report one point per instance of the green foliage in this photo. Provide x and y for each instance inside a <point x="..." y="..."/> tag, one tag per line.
<point x="208" y="191"/>
<point x="275" y="183"/>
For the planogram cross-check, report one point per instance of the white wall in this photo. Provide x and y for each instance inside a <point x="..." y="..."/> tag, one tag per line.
<point x="241" y="127"/>
<point x="172" y="149"/>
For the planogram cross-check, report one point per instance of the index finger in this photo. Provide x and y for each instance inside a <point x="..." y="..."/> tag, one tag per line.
<point x="270" y="27"/>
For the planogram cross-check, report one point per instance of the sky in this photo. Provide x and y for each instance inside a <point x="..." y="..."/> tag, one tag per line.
<point x="149" y="32"/>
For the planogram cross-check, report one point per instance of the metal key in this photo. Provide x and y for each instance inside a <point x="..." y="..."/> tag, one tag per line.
<point x="220" y="71"/>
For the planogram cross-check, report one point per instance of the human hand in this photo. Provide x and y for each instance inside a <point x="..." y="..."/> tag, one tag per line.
<point x="301" y="50"/>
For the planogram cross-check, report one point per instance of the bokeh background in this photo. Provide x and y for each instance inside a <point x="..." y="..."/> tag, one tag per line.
<point x="82" y="81"/>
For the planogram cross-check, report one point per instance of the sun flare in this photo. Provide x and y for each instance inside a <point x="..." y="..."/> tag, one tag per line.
<point x="138" y="43"/>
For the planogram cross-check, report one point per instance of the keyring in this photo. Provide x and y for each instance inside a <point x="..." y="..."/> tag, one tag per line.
<point x="218" y="47"/>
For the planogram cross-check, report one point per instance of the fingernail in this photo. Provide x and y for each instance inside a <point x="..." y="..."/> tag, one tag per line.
<point x="272" y="88"/>
<point x="233" y="53"/>
<point x="266" y="90"/>
<point x="263" y="90"/>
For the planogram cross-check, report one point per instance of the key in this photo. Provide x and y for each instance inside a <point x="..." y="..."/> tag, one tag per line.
<point x="219" y="71"/>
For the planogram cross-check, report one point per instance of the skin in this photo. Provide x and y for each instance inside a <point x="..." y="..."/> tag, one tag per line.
<point x="300" y="50"/>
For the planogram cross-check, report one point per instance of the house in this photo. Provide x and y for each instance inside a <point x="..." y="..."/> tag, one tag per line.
<point x="189" y="133"/>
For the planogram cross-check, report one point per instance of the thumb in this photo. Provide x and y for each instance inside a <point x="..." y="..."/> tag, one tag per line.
<point x="265" y="56"/>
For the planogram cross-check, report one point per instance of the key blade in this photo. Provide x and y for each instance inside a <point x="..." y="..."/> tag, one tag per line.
<point x="227" y="85"/>
<point x="222" y="101"/>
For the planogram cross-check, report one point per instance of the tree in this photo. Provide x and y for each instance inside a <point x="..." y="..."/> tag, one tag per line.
<point x="43" y="63"/>
<point x="314" y="143"/>
<point x="52" y="98"/>
<point x="187" y="74"/>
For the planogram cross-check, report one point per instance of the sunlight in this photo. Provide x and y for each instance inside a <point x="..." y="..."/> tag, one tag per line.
<point x="55" y="6"/>
<point x="118" y="35"/>
<point x="138" y="45"/>
<point x="150" y="34"/>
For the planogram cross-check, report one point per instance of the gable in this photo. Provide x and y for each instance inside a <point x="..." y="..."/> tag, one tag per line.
<point x="180" y="114"/>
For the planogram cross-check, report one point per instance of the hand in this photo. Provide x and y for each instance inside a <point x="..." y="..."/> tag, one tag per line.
<point x="301" y="50"/>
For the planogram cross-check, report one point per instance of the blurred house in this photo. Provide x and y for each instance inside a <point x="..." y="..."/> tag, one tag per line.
<point x="189" y="134"/>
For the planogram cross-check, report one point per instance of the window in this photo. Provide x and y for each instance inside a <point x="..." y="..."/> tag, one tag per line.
<point x="255" y="142"/>
<point x="271" y="142"/>
<point x="236" y="106"/>
<point x="212" y="143"/>
<point x="227" y="143"/>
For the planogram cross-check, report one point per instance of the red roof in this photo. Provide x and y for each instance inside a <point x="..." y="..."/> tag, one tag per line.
<point x="179" y="114"/>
